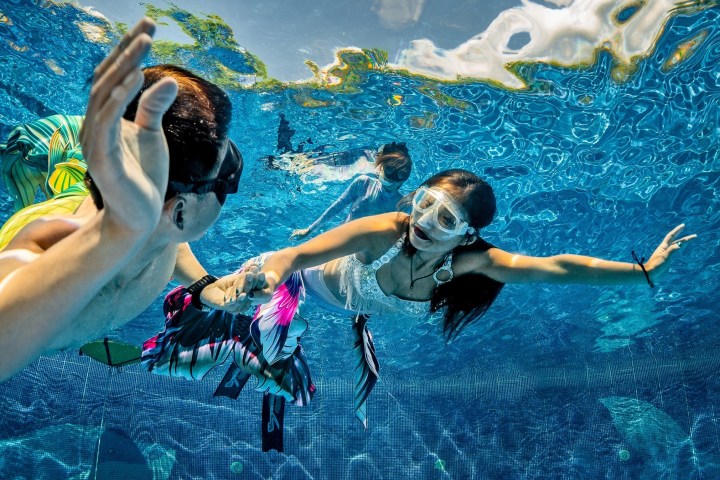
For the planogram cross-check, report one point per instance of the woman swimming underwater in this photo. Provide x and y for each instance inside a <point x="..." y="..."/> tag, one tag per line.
<point x="433" y="260"/>
<point x="370" y="195"/>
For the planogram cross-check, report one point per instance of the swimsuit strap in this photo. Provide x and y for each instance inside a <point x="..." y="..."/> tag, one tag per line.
<point x="389" y="255"/>
<point x="446" y="267"/>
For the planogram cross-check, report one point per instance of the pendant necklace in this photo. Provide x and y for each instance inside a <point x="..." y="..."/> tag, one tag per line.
<point x="413" y="280"/>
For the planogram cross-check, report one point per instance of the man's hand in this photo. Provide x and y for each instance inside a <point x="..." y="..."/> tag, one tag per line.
<point x="235" y="293"/>
<point x="128" y="161"/>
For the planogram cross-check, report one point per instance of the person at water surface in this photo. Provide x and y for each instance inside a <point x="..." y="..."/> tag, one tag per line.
<point x="370" y="195"/>
<point x="160" y="165"/>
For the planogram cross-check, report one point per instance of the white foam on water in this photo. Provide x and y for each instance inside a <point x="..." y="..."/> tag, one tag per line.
<point x="569" y="35"/>
<point x="93" y="33"/>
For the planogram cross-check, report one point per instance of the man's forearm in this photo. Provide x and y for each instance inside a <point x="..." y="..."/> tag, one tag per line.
<point x="40" y="299"/>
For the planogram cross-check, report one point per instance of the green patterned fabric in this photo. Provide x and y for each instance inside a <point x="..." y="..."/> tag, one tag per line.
<point x="42" y="154"/>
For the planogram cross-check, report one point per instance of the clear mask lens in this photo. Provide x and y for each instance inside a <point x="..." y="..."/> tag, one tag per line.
<point x="436" y="211"/>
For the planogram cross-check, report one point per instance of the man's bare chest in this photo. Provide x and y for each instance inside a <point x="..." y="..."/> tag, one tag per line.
<point x="122" y="299"/>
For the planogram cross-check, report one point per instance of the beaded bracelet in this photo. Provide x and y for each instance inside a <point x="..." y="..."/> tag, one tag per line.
<point x="641" y="262"/>
<point x="196" y="289"/>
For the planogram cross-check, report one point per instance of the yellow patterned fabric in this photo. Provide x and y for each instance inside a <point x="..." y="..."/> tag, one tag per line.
<point x="65" y="203"/>
<point x="42" y="154"/>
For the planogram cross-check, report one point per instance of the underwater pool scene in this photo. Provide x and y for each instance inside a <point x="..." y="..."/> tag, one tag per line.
<point x="597" y="137"/>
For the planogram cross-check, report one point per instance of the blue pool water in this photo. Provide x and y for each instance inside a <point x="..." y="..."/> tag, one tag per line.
<point x="566" y="382"/>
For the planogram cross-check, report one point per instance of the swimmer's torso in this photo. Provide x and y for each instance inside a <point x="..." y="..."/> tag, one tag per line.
<point x="390" y="286"/>
<point x="371" y="198"/>
<point x="120" y="300"/>
<point x="365" y="288"/>
<point x="389" y="279"/>
<point x="125" y="297"/>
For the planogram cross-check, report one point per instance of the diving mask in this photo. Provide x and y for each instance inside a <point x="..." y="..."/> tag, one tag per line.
<point x="225" y="183"/>
<point x="437" y="210"/>
<point x="386" y="182"/>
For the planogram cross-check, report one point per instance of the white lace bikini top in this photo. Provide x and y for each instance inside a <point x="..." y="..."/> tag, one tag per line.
<point x="359" y="285"/>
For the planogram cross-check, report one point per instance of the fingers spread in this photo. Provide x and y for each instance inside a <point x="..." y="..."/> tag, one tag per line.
<point x="116" y="73"/>
<point x="117" y="80"/>
<point x="145" y="26"/>
<point x="677" y="244"/>
<point x="154" y="102"/>
<point x="117" y="102"/>
<point x="669" y="237"/>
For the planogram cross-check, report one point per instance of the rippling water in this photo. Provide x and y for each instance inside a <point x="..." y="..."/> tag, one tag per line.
<point x="555" y="382"/>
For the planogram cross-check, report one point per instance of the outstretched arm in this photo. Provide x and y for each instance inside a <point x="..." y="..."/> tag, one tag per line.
<point x="368" y="236"/>
<point x="342" y="202"/>
<point x="511" y="268"/>
<point x="44" y="287"/>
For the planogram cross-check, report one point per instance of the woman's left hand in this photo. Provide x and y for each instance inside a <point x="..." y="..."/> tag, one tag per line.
<point x="658" y="263"/>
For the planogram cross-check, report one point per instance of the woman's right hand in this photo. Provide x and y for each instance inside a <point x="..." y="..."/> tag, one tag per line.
<point x="299" y="233"/>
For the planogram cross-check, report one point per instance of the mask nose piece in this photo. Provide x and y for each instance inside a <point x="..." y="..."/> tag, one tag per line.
<point x="425" y="220"/>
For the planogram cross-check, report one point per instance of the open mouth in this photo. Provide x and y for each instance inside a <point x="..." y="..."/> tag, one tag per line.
<point x="420" y="234"/>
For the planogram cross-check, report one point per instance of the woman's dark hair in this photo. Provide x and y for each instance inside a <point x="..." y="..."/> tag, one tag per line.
<point x="465" y="298"/>
<point x="196" y="126"/>
<point x="395" y="161"/>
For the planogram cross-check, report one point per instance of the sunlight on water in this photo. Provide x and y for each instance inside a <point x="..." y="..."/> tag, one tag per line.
<point x="568" y="34"/>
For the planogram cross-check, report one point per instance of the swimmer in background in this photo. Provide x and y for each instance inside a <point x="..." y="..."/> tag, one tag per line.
<point x="285" y="134"/>
<point x="369" y="194"/>
<point x="314" y="164"/>
<point x="284" y="144"/>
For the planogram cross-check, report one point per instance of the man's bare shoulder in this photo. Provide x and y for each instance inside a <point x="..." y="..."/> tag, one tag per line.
<point x="34" y="239"/>
<point x="41" y="234"/>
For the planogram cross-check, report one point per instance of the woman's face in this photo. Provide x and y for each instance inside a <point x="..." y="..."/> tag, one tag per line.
<point x="390" y="184"/>
<point x="438" y="223"/>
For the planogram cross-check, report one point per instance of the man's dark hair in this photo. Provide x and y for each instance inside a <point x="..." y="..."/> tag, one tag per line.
<point x="196" y="126"/>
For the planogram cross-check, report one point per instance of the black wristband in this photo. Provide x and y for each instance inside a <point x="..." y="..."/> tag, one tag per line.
<point x="641" y="262"/>
<point x="196" y="289"/>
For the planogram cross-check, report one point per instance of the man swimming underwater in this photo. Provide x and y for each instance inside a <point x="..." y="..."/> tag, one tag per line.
<point x="159" y="176"/>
